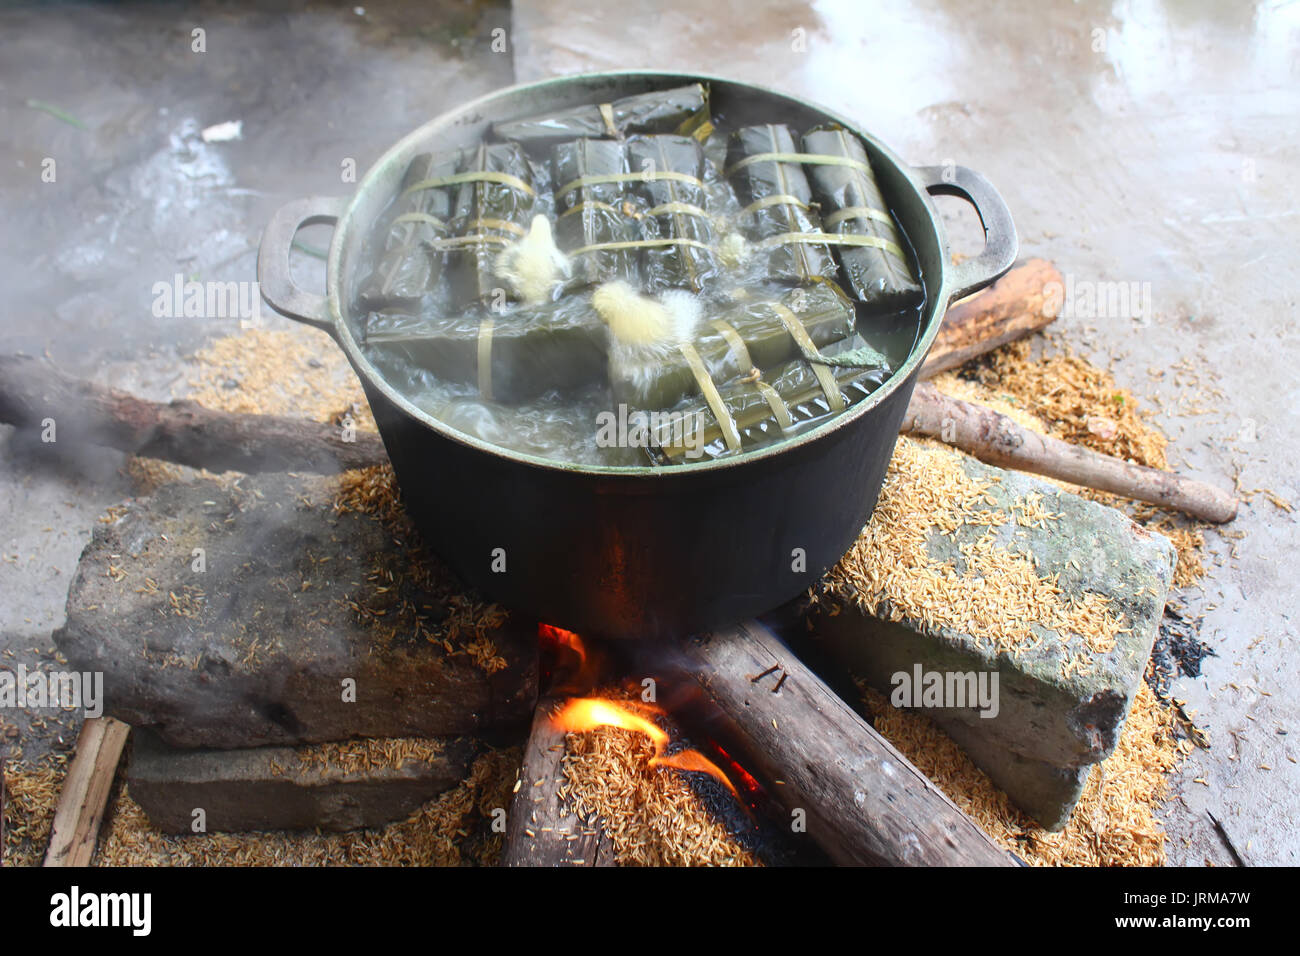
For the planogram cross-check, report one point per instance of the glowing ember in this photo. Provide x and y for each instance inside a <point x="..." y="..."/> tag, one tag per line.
<point x="751" y="786"/>
<point x="580" y="714"/>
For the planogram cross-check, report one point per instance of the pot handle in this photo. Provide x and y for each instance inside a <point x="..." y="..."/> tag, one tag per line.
<point x="273" y="277"/>
<point x="1001" y="245"/>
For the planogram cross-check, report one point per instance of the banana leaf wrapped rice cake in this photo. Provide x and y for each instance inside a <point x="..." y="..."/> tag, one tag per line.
<point x="744" y="337"/>
<point x="510" y="357"/>
<point x="590" y="175"/>
<point x="410" y="263"/>
<point x="682" y="110"/>
<point x="763" y="166"/>
<point x="668" y="177"/>
<point x="877" y="269"/>
<point x="755" y="409"/>
<point x="494" y="203"/>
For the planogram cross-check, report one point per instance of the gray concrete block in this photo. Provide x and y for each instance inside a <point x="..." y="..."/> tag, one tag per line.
<point x="226" y="616"/>
<point x="1045" y="792"/>
<point x="1052" y="722"/>
<point x="275" y="788"/>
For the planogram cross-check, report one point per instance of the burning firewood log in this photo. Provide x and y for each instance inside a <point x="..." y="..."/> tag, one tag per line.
<point x="559" y="818"/>
<point x="856" y="796"/>
<point x="541" y="830"/>
<point x="809" y="763"/>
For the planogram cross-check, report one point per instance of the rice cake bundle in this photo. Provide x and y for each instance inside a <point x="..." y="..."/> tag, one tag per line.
<point x="679" y="271"/>
<point x="877" y="269"/>
<point x="777" y="200"/>
<point x="667" y="173"/>
<point x="510" y="358"/>
<point x="589" y="176"/>
<point x="494" y="203"/>
<point x="753" y="335"/>
<point x="757" y="410"/>
<point x="682" y="110"/>
<point x="410" y="264"/>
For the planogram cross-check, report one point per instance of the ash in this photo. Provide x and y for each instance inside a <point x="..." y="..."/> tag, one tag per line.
<point x="1178" y="650"/>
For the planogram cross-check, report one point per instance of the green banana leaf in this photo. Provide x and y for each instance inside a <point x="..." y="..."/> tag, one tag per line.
<point x="683" y="109"/>
<point x="884" y="279"/>
<point x="675" y="198"/>
<point x="761" y="187"/>
<point x="409" y="266"/>
<point x="801" y="395"/>
<point x="593" y="214"/>
<point x="488" y="214"/>
<point x="532" y="350"/>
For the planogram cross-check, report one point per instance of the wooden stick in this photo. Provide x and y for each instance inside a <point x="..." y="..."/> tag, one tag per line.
<point x="1227" y="840"/>
<point x="540" y="824"/>
<point x="861" y="800"/>
<point x="1024" y="301"/>
<point x="1020" y="303"/>
<point x="34" y="392"/>
<point x="996" y="439"/>
<point x="85" y="792"/>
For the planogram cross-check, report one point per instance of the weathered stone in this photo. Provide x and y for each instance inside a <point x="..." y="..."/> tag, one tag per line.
<point x="283" y="788"/>
<point x="1061" y="705"/>
<point x="237" y="615"/>
<point x="1046" y="793"/>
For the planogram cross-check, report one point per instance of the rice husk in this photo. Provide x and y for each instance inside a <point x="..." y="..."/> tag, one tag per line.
<point x="1114" y="822"/>
<point x="652" y="814"/>
<point x="31" y="794"/>
<point x="469" y="620"/>
<point x="363" y="756"/>
<point x="1062" y="394"/>
<point x="1075" y="400"/>
<point x="297" y="371"/>
<point x="998" y="596"/>
<point x="293" y="372"/>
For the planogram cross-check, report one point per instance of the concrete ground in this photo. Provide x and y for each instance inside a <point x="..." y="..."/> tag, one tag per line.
<point x="1148" y="142"/>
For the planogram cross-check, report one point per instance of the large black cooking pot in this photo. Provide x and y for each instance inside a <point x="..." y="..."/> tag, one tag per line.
<point x="637" y="552"/>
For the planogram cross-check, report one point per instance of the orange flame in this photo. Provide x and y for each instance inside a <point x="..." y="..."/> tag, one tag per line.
<point x="581" y="714"/>
<point x="574" y="679"/>
<point x="562" y="638"/>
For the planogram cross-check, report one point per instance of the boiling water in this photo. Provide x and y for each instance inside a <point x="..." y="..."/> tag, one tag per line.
<point x="577" y="425"/>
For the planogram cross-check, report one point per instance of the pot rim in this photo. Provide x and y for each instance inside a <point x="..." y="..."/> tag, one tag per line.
<point x="934" y="308"/>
